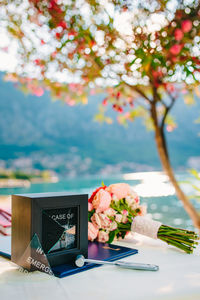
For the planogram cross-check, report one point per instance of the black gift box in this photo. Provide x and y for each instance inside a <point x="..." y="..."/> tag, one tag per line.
<point x="60" y="222"/>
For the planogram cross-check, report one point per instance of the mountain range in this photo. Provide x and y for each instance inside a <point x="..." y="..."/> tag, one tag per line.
<point x="38" y="133"/>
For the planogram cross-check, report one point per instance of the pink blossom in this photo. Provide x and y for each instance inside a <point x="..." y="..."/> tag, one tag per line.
<point x="125" y="212"/>
<point x="137" y="199"/>
<point x="92" y="231"/>
<point x="105" y="221"/>
<point x="105" y="102"/>
<point x="73" y="87"/>
<point x="90" y="206"/>
<point x="175" y="49"/>
<point x="113" y="226"/>
<point x="170" y="87"/>
<point x="186" y="25"/>
<point x="170" y="128"/>
<point x="69" y="101"/>
<point x="103" y="237"/>
<point x="178" y="34"/>
<point x="110" y="212"/>
<point x="118" y="218"/>
<point x="132" y="198"/>
<point x="96" y="221"/>
<point x="120" y="190"/>
<point x="124" y="219"/>
<point x="101" y="201"/>
<point x="127" y="115"/>
<point x="38" y="92"/>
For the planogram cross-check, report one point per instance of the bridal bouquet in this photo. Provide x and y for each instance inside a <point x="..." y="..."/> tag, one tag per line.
<point x="115" y="211"/>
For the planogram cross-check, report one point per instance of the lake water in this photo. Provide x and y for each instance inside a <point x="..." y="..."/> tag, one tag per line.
<point x="153" y="188"/>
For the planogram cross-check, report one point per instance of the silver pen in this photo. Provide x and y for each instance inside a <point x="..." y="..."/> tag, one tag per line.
<point x="81" y="260"/>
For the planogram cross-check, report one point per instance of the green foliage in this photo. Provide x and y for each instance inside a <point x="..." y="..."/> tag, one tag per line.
<point x="112" y="235"/>
<point x="90" y="214"/>
<point x="183" y="239"/>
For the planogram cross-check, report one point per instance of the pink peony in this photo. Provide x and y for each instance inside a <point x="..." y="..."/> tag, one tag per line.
<point x="90" y="206"/>
<point x="175" y="49"/>
<point x="186" y="25"/>
<point x="120" y="190"/>
<point x="178" y="34"/>
<point x="101" y="201"/>
<point x="103" y="237"/>
<point x="92" y="232"/>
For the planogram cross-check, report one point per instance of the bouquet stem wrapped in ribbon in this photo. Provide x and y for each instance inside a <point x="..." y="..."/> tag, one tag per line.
<point x="115" y="211"/>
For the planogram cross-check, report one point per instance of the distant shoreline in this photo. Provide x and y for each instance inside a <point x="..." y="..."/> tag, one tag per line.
<point x="14" y="183"/>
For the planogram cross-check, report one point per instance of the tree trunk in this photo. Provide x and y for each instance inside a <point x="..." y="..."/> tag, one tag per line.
<point x="162" y="151"/>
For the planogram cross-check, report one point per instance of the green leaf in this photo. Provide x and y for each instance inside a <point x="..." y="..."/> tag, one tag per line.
<point x="123" y="233"/>
<point x="112" y="235"/>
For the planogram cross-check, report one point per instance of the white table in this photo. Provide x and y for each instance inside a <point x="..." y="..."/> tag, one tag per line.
<point x="177" y="279"/>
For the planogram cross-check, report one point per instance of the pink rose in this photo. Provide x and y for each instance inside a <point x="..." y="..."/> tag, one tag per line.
<point x="178" y="34"/>
<point x="120" y="190"/>
<point x="113" y="226"/>
<point x="103" y="237"/>
<point x="96" y="221"/>
<point x="101" y="201"/>
<point x="175" y="49"/>
<point x="186" y="25"/>
<point x="92" y="232"/>
<point x="132" y="198"/>
<point x="90" y="206"/>
<point x="118" y="218"/>
<point x="110" y="212"/>
<point x="105" y="221"/>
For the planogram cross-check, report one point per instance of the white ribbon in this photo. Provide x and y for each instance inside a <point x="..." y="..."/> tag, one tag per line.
<point x="145" y="226"/>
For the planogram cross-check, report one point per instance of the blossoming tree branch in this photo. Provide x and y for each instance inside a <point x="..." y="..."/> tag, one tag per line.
<point x="143" y="54"/>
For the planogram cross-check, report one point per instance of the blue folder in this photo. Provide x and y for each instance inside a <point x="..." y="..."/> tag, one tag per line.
<point x="99" y="251"/>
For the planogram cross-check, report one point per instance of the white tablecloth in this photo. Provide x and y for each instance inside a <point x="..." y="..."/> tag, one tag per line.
<point x="177" y="279"/>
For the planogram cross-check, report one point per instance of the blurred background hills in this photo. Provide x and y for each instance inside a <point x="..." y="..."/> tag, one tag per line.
<point x="38" y="134"/>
